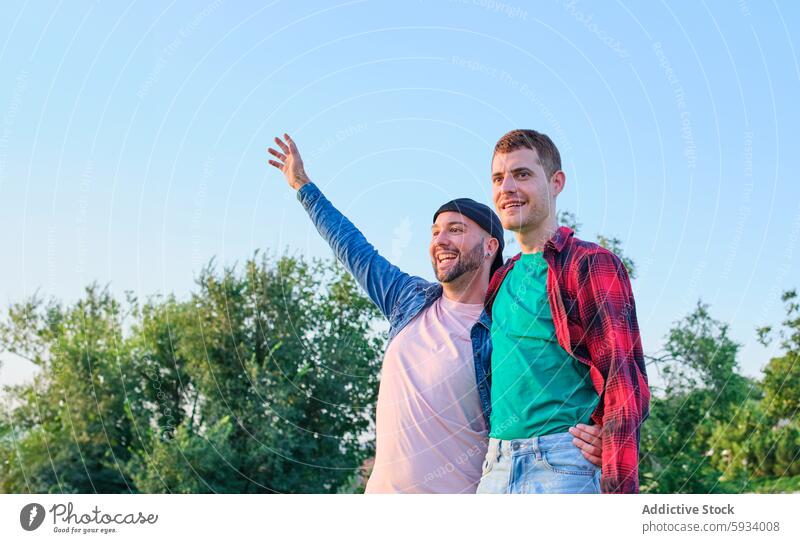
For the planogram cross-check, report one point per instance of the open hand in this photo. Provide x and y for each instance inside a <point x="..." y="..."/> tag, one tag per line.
<point x="289" y="162"/>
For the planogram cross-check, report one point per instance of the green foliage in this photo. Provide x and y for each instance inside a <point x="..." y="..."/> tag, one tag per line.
<point x="782" y="374"/>
<point x="751" y="447"/>
<point x="69" y="431"/>
<point x="702" y="387"/>
<point x="713" y="430"/>
<point x="764" y="436"/>
<point x="773" y="485"/>
<point x="264" y="381"/>
<point x="188" y="462"/>
<point x="701" y="356"/>
<point x="782" y="386"/>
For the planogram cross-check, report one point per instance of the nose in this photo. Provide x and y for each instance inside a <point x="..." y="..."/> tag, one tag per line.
<point x="441" y="239"/>
<point x="508" y="184"/>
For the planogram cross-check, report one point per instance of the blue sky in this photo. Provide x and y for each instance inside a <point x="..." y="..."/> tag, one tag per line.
<point x="132" y="137"/>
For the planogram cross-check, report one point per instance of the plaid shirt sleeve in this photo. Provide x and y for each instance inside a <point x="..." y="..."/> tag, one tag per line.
<point x="611" y="335"/>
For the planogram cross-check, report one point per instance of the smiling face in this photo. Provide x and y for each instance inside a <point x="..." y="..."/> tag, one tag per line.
<point x="457" y="246"/>
<point x="523" y="195"/>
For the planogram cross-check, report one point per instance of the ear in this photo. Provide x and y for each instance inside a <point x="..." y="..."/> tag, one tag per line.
<point x="557" y="182"/>
<point x="491" y="246"/>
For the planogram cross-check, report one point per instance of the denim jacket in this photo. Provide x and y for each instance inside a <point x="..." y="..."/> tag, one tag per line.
<point x="398" y="295"/>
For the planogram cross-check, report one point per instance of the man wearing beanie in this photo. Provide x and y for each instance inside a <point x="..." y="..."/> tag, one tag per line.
<point x="433" y="410"/>
<point x="566" y="341"/>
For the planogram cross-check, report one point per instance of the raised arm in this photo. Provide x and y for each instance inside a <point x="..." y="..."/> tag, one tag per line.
<point x="381" y="280"/>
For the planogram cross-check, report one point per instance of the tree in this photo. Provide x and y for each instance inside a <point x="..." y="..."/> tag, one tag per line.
<point x="702" y="390"/>
<point x="292" y="366"/>
<point x="782" y="374"/>
<point x="265" y="380"/>
<point x="765" y="438"/>
<point x="69" y="431"/>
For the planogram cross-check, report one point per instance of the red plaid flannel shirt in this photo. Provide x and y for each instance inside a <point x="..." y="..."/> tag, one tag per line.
<point x="595" y="320"/>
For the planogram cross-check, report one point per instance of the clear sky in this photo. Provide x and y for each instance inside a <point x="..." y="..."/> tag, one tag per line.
<point x="133" y="136"/>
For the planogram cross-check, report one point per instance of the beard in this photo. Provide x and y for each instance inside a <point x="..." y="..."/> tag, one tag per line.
<point x="466" y="262"/>
<point x="517" y="222"/>
<point x="538" y="209"/>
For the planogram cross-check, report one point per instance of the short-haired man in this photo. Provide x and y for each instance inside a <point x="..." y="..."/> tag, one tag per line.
<point x="433" y="401"/>
<point x="566" y="341"/>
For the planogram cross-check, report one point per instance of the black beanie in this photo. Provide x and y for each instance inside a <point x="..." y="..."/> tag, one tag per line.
<point x="481" y="214"/>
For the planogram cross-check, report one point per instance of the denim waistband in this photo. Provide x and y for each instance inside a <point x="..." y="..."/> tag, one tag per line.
<point x="538" y="444"/>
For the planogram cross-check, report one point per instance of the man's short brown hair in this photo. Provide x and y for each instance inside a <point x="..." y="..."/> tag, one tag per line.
<point x="531" y="139"/>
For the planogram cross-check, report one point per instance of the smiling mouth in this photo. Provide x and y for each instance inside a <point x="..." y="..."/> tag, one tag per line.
<point x="443" y="258"/>
<point x="511" y="205"/>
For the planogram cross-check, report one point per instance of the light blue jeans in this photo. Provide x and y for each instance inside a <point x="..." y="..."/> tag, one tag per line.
<point x="540" y="465"/>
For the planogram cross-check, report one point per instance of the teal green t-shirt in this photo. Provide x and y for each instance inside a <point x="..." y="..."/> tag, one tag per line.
<point x="537" y="387"/>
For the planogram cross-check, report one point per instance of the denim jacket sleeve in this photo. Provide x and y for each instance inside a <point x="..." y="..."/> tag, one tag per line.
<point x="382" y="281"/>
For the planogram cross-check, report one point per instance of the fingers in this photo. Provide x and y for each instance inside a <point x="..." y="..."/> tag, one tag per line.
<point x="283" y="146"/>
<point x="592" y="429"/>
<point x="588" y="439"/>
<point x="279" y="156"/>
<point x="596" y="460"/>
<point x="587" y="448"/>
<point x="587" y="433"/>
<point x="290" y="141"/>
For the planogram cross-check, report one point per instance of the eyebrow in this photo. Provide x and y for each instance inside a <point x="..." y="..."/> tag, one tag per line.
<point x="521" y="168"/>
<point x="451" y="223"/>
